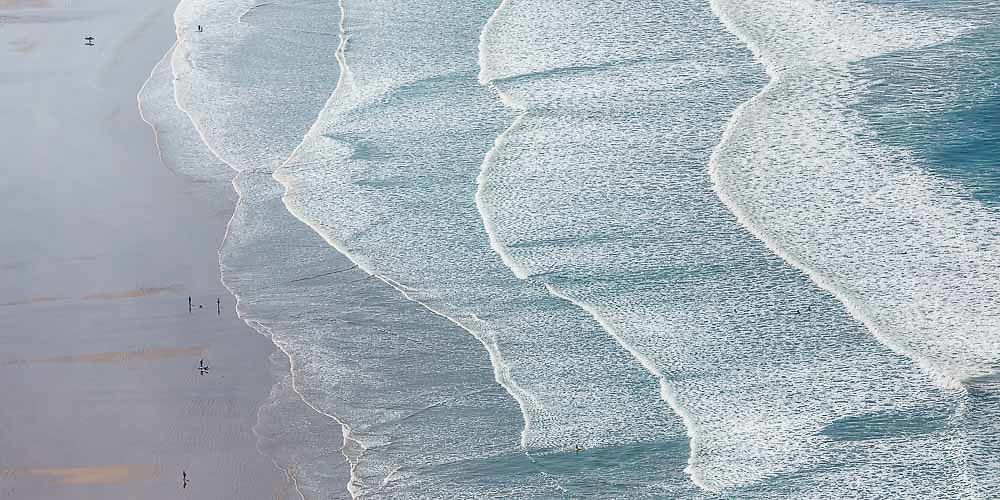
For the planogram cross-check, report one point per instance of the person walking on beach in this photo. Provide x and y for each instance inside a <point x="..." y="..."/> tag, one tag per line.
<point x="184" y="479"/>
<point x="218" y="305"/>
<point x="199" y="28"/>
<point x="189" y="304"/>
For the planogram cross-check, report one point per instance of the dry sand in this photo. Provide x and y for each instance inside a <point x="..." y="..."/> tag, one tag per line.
<point x="100" y="395"/>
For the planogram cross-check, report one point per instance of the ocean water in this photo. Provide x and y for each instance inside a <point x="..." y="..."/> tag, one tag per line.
<point x="728" y="249"/>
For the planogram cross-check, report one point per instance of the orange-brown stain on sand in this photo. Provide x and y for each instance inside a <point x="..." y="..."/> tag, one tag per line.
<point x="24" y="45"/>
<point x="24" y="4"/>
<point x="118" y="356"/>
<point x="34" y="300"/>
<point x="131" y="294"/>
<point x="109" y="474"/>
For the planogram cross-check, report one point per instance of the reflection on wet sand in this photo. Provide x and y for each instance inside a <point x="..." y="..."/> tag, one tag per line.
<point x="24" y="4"/>
<point x="34" y="300"/>
<point x="131" y="294"/>
<point x="117" y="357"/>
<point x="109" y="474"/>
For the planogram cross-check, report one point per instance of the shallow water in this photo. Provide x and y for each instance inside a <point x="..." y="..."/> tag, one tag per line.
<point x="710" y="243"/>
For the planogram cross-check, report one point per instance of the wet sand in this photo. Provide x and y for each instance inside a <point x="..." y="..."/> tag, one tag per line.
<point x="100" y="392"/>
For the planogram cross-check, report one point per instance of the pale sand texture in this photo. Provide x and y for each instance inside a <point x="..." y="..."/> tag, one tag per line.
<point x="100" y="396"/>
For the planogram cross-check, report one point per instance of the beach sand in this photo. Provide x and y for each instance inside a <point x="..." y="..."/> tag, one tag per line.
<point x="100" y="392"/>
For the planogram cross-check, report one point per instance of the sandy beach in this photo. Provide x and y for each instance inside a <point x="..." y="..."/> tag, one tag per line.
<point x="100" y="392"/>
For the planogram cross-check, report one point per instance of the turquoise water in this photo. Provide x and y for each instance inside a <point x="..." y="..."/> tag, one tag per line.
<point x="942" y="103"/>
<point x="724" y="249"/>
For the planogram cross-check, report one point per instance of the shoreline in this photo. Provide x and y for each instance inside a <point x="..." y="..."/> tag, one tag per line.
<point x="103" y="396"/>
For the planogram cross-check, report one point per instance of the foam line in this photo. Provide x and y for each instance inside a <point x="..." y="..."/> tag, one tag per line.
<point x="173" y="56"/>
<point x="777" y="69"/>
<point x="487" y="214"/>
<point x="485" y="210"/>
<point x="501" y="370"/>
<point x="144" y="113"/>
<point x="484" y="78"/>
<point x="666" y="392"/>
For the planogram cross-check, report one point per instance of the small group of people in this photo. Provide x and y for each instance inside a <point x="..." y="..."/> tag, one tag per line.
<point x="218" y="306"/>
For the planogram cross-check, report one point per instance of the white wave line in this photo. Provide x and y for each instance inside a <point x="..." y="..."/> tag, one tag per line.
<point x="666" y="393"/>
<point x="156" y="135"/>
<point x="718" y="185"/>
<point x="142" y="112"/>
<point x="346" y="428"/>
<point x="483" y="79"/>
<point x="501" y="371"/>
<point x="487" y="216"/>
<point x="485" y="212"/>
<point x="347" y="434"/>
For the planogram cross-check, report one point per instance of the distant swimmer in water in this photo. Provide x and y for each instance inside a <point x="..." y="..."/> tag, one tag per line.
<point x="578" y="449"/>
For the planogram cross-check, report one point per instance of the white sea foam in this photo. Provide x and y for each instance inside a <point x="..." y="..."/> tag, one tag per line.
<point x="389" y="178"/>
<point x="251" y="120"/>
<point x="180" y="147"/>
<point x="600" y="191"/>
<point x="906" y="252"/>
<point x="609" y="276"/>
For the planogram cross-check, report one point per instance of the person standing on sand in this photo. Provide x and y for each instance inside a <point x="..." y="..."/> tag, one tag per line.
<point x="218" y="305"/>
<point x="189" y="304"/>
<point x="184" y="479"/>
